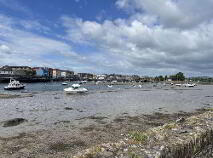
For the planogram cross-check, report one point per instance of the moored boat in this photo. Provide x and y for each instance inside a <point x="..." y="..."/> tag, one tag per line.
<point x="64" y="83"/>
<point x="109" y="86"/>
<point x="75" y="88"/>
<point x="14" y="85"/>
<point x="189" y="85"/>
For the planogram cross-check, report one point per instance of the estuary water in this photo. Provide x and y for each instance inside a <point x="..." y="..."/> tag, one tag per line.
<point x="49" y="106"/>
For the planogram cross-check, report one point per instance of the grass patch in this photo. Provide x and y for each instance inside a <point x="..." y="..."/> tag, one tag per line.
<point x="133" y="155"/>
<point x="138" y="136"/>
<point x="169" y="126"/>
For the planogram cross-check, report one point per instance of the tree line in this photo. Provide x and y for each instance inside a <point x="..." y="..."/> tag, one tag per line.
<point x="176" y="77"/>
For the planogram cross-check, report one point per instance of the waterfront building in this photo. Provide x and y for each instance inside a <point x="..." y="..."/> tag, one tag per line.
<point x="50" y="72"/>
<point x="56" y="73"/>
<point x="101" y="77"/>
<point x="85" y="76"/>
<point x="6" y="71"/>
<point x="22" y="71"/>
<point x="136" y="78"/>
<point x="67" y="74"/>
<point x="41" y="71"/>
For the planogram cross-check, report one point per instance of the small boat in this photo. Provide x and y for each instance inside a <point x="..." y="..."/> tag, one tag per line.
<point x="140" y="86"/>
<point x="98" y="82"/>
<point x="194" y="84"/>
<point x="14" y="85"/>
<point x="82" y="82"/>
<point x="64" y="83"/>
<point x="178" y="84"/>
<point x="109" y="86"/>
<point x="189" y="85"/>
<point x="75" y="89"/>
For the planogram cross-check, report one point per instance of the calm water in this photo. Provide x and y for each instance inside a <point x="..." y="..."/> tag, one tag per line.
<point x="46" y="109"/>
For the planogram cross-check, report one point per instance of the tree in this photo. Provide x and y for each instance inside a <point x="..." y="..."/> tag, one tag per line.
<point x="165" y="77"/>
<point x="178" y="77"/>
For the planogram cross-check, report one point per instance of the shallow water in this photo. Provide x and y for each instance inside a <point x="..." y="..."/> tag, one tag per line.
<point x="46" y="109"/>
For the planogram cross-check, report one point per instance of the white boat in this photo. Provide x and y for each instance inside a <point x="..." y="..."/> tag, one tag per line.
<point x="178" y="84"/>
<point x="75" y="89"/>
<point x="64" y="83"/>
<point x="14" y="85"/>
<point x="109" y="86"/>
<point x="194" y="84"/>
<point x="98" y="82"/>
<point x="140" y="86"/>
<point x="189" y="85"/>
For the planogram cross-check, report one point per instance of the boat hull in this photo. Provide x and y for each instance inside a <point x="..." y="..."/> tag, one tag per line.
<point x="75" y="91"/>
<point x="13" y="88"/>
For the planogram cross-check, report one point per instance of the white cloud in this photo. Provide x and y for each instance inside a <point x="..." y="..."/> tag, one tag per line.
<point x="5" y="49"/>
<point x="160" y="36"/>
<point x="170" y="13"/>
<point x="26" y="48"/>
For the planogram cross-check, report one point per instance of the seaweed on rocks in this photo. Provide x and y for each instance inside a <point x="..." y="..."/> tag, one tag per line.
<point x="14" y="122"/>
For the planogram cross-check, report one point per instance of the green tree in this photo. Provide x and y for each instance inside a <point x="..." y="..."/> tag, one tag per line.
<point x="180" y="76"/>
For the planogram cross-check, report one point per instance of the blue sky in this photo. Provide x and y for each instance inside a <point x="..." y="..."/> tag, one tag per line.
<point x="109" y="36"/>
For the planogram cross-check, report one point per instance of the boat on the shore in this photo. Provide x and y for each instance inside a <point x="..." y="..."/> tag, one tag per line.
<point x="75" y="88"/>
<point x="14" y="85"/>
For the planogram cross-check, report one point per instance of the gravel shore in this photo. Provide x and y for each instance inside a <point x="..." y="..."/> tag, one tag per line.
<point x="67" y="140"/>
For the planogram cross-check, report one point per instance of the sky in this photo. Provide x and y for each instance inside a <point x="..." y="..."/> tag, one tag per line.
<point x="144" y="37"/>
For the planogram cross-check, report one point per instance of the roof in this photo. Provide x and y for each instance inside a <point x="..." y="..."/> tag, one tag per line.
<point x="6" y="66"/>
<point x="5" y="69"/>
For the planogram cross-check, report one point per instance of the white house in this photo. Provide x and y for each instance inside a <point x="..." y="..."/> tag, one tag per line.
<point x="6" y="71"/>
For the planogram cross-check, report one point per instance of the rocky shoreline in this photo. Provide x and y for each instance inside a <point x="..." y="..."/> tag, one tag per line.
<point x="125" y="133"/>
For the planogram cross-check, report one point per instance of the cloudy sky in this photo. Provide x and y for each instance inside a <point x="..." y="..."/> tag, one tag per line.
<point x="145" y="37"/>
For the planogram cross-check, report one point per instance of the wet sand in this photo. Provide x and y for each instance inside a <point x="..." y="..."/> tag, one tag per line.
<point x="67" y="140"/>
<point x="52" y="124"/>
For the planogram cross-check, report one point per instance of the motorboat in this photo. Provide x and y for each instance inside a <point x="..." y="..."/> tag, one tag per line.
<point x="140" y="86"/>
<point x="14" y="85"/>
<point x="64" y="83"/>
<point x="178" y="84"/>
<point x="82" y="82"/>
<point x="194" y="84"/>
<point x="189" y="85"/>
<point x="75" y="88"/>
<point x="109" y="86"/>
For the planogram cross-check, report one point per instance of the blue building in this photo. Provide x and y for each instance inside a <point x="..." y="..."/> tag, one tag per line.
<point x="41" y="71"/>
